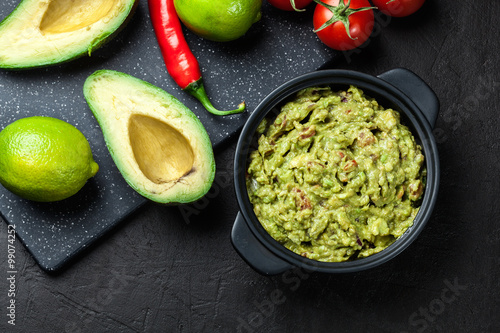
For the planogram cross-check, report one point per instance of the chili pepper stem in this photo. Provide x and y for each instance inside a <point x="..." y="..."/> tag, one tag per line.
<point x="197" y="89"/>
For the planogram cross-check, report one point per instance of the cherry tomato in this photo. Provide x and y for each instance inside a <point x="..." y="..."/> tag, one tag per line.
<point x="287" y="5"/>
<point x="360" y="23"/>
<point x="398" y="8"/>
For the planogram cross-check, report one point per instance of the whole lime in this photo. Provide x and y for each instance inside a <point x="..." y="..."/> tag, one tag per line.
<point x="219" y="20"/>
<point x="44" y="159"/>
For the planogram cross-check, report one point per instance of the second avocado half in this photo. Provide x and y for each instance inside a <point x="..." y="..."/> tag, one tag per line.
<point x="160" y="147"/>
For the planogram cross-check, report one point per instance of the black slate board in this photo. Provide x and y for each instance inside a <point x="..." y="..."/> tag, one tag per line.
<point x="279" y="47"/>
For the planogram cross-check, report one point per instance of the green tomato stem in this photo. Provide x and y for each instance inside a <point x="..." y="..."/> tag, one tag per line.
<point x="344" y="7"/>
<point x="292" y="2"/>
<point x="341" y="13"/>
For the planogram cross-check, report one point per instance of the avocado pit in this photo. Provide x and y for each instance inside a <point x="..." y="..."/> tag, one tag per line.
<point x="67" y="15"/>
<point x="162" y="152"/>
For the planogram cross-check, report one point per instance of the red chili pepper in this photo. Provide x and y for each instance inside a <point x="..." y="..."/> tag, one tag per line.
<point x="181" y="64"/>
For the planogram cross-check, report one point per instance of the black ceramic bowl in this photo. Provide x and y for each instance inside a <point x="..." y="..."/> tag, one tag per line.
<point x="399" y="89"/>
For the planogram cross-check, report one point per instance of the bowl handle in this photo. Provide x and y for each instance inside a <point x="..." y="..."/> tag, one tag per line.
<point x="416" y="89"/>
<point x="253" y="252"/>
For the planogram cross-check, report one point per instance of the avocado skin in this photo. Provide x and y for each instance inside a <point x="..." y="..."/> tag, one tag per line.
<point x="97" y="43"/>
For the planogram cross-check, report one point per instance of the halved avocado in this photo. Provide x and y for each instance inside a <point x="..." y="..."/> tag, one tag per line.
<point x="160" y="147"/>
<point x="42" y="33"/>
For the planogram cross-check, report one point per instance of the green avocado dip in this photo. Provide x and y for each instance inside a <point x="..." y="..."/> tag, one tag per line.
<point x="335" y="176"/>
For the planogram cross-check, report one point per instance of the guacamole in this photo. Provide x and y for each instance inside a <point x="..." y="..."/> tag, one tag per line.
<point x="335" y="176"/>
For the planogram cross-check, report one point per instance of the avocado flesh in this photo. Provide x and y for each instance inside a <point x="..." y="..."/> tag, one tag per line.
<point x="160" y="147"/>
<point x="42" y="33"/>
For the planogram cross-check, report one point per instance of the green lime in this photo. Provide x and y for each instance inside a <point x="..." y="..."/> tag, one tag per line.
<point x="219" y="20"/>
<point x="44" y="159"/>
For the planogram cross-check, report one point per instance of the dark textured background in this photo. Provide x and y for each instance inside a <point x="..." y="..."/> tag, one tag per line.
<point x="168" y="269"/>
